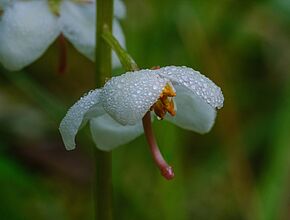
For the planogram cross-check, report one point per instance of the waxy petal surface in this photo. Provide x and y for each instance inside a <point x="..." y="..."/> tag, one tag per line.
<point x="128" y="97"/>
<point x="192" y="113"/>
<point x="87" y="107"/>
<point x="119" y="9"/>
<point x="78" y="24"/>
<point x="109" y="134"/>
<point x="197" y="83"/>
<point x="77" y="21"/>
<point x="27" y="30"/>
<point x="4" y="3"/>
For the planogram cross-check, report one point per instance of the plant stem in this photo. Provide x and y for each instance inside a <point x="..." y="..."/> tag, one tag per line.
<point x="126" y="60"/>
<point x="103" y="160"/>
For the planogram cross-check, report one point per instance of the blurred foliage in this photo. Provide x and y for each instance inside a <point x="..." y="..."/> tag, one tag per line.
<point x="238" y="171"/>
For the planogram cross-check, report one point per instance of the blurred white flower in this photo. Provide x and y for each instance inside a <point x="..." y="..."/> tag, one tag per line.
<point x="28" y="27"/>
<point x="115" y="111"/>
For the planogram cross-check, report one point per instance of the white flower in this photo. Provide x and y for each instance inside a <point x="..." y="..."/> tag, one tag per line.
<point x="115" y="111"/>
<point x="28" y="27"/>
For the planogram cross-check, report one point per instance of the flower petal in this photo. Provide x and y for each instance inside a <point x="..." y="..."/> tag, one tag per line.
<point x="128" y="97"/>
<point x="4" y="3"/>
<point x="87" y="107"/>
<point x="119" y="9"/>
<point x="27" y="29"/>
<point x="192" y="112"/>
<point x="108" y="134"/>
<point x="78" y="25"/>
<point x="197" y="83"/>
<point x="77" y="22"/>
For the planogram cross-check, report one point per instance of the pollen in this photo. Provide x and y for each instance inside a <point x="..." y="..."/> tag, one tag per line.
<point x="165" y="103"/>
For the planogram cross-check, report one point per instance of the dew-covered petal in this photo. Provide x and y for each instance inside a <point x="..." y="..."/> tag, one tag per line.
<point x="87" y="107"/>
<point x="108" y="134"/>
<point x="195" y="82"/>
<point x="128" y="97"/>
<point x="27" y="29"/>
<point x="192" y="113"/>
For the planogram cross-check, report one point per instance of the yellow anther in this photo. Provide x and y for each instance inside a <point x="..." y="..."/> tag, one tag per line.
<point x="169" y="105"/>
<point x="168" y="91"/>
<point x="165" y="102"/>
<point x="159" y="109"/>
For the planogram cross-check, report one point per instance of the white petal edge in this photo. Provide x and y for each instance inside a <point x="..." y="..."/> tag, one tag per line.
<point x="191" y="112"/>
<point x="128" y="97"/>
<point x="197" y="83"/>
<point x="109" y="134"/>
<point x="87" y="107"/>
<point x="27" y="30"/>
<point x="77" y="23"/>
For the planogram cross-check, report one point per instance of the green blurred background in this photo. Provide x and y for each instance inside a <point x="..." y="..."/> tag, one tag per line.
<point x="240" y="170"/>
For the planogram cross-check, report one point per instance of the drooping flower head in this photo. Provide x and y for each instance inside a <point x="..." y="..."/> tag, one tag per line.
<point x="29" y="27"/>
<point x="115" y="112"/>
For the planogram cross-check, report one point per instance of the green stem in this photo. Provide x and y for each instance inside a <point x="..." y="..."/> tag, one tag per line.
<point x="103" y="160"/>
<point x="103" y="50"/>
<point x="126" y="60"/>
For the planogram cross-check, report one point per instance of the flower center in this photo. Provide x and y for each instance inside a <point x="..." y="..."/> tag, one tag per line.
<point x="165" y="103"/>
<point x="54" y="6"/>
